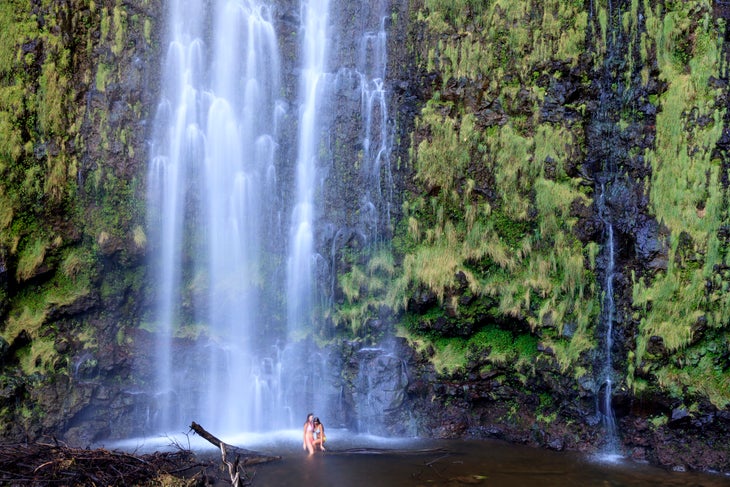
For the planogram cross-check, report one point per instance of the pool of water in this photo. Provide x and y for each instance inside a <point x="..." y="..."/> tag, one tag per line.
<point x="361" y="460"/>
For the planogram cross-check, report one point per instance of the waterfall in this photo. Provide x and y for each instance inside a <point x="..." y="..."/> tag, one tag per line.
<point x="608" y="311"/>
<point x="334" y="86"/>
<point x="211" y="182"/>
<point x="239" y="159"/>
<point x="176" y="150"/>
<point x="300" y="274"/>
<point x="236" y="193"/>
<point x="377" y="138"/>
<point x="607" y="158"/>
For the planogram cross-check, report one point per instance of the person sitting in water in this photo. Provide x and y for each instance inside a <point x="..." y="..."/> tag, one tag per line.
<point x="308" y="440"/>
<point x="319" y="436"/>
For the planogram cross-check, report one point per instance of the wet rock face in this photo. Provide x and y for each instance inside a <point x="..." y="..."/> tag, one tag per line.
<point x="683" y="441"/>
<point x="379" y="391"/>
<point x="492" y="403"/>
<point x="86" y="368"/>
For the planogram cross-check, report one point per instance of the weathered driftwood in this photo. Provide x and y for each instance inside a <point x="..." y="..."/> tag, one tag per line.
<point x="248" y="457"/>
<point x="233" y="470"/>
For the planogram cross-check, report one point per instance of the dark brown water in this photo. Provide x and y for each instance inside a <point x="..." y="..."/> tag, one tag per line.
<point x="459" y="463"/>
<point x="370" y="461"/>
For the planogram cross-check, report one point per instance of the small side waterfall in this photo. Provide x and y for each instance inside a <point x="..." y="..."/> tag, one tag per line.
<point x="608" y="312"/>
<point x="377" y="137"/>
<point x="609" y="161"/>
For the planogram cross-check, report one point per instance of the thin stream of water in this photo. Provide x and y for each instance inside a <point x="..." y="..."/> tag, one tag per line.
<point x="609" y="311"/>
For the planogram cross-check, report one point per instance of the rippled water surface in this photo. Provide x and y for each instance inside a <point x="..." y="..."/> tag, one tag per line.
<point x="368" y="461"/>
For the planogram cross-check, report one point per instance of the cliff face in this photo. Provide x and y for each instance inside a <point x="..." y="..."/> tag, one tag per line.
<point x="74" y="97"/>
<point x="541" y="129"/>
<point x="525" y="133"/>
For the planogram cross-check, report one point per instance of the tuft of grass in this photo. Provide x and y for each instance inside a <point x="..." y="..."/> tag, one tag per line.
<point x="366" y="288"/>
<point x="30" y="258"/>
<point x="6" y="210"/>
<point x="28" y="313"/>
<point x="39" y="357"/>
<point x="192" y="331"/>
<point x="139" y="237"/>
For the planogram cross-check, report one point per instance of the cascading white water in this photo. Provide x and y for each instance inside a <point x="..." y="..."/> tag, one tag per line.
<point x="177" y="146"/>
<point x="334" y="89"/>
<point x="211" y="179"/>
<point x="239" y="159"/>
<point x="300" y="274"/>
<point x="215" y="204"/>
<point x="377" y="141"/>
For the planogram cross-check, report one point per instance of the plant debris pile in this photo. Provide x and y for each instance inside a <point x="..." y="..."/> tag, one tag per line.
<point x="43" y="464"/>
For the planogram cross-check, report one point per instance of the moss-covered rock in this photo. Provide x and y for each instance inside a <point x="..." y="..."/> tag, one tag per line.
<point x="73" y="99"/>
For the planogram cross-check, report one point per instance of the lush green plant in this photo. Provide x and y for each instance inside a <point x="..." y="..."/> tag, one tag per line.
<point x="365" y="289"/>
<point x="529" y="30"/>
<point x="490" y="344"/>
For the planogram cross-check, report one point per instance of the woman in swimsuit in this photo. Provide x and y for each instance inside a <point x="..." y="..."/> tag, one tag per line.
<point x="308" y="441"/>
<point x="319" y="437"/>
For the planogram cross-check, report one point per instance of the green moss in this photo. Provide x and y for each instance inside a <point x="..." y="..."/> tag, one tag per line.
<point x="103" y="72"/>
<point x="27" y="312"/>
<point x="687" y="195"/>
<point x="106" y="21"/>
<point x="17" y="25"/>
<point x="148" y="31"/>
<point x="490" y="344"/>
<point x="530" y="31"/>
<point x="52" y="99"/>
<point x="546" y="411"/>
<point x="119" y="24"/>
<point x="6" y="211"/>
<point x="29" y="309"/>
<point x="496" y="198"/>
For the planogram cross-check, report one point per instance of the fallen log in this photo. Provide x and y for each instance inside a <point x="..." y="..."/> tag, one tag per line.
<point x="248" y="457"/>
